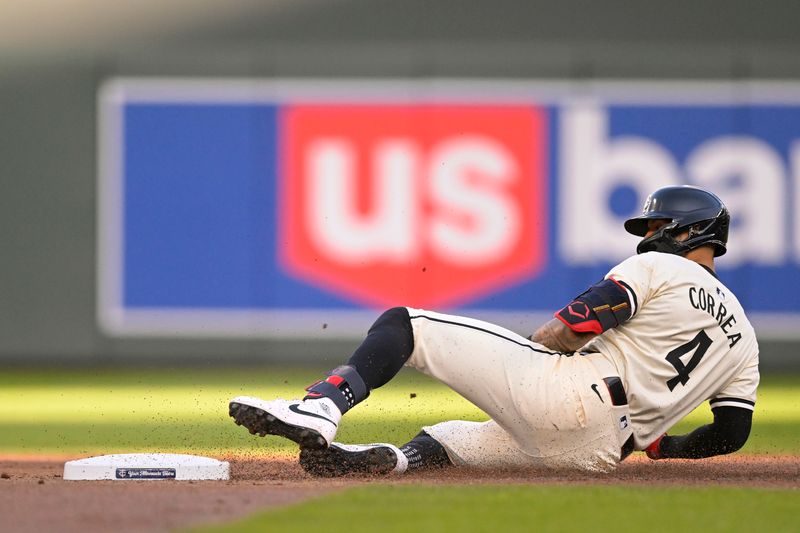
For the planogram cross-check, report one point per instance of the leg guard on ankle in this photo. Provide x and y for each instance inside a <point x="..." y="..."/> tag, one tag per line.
<point x="343" y="386"/>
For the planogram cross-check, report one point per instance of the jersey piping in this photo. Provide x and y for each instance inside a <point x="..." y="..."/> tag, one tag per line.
<point x="631" y="295"/>
<point x="496" y="334"/>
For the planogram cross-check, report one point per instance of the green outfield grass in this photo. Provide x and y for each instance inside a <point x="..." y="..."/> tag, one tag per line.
<point x="94" y="411"/>
<point x="131" y="410"/>
<point x="533" y="508"/>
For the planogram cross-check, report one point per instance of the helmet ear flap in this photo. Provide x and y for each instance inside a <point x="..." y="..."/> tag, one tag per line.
<point x="698" y="229"/>
<point x="662" y="240"/>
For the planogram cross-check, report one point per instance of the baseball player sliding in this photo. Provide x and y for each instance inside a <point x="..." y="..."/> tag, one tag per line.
<point x="611" y="373"/>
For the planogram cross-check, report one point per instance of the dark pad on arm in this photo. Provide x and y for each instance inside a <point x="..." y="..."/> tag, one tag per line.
<point x="603" y="306"/>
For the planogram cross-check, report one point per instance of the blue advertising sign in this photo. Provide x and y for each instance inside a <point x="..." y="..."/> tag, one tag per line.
<point x="296" y="209"/>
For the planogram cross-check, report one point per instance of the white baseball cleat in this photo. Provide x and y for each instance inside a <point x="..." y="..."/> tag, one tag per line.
<point x="309" y="423"/>
<point x="342" y="459"/>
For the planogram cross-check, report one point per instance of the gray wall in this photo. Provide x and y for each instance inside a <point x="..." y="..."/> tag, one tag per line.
<point x="48" y="112"/>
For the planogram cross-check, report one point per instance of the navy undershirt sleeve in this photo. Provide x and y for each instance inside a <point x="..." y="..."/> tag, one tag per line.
<point x="728" y="433"/>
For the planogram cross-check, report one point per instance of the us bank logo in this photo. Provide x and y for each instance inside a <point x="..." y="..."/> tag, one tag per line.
<point x="300" y="209"/>
<point x="426" y="204"/>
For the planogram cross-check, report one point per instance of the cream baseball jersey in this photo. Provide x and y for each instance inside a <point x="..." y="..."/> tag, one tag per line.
<point x="687" y="340"/>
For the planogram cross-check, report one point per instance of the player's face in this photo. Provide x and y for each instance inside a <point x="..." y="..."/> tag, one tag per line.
<point x="656" y="224"/>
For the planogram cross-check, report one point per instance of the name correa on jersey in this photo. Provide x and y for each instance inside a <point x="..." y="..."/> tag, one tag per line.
<point x="235" y="207"/>
<point x="700" y="299"/>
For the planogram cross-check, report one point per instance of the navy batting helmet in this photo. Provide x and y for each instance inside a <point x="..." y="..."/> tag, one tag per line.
<point x="686" y="208"/>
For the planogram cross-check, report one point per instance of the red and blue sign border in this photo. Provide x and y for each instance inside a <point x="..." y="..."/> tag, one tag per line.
<point x="115" y="318"/>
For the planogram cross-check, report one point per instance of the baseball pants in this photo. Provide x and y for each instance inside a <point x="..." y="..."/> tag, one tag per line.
<point x="547" y="409"/>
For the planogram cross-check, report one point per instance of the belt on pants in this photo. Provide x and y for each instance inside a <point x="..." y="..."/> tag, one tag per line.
<point x="618" y="397"/>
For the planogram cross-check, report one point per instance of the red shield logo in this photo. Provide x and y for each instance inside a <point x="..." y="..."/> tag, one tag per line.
<point x="419" y="205"/>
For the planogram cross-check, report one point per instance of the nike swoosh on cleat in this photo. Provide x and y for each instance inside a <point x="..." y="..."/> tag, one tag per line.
<point x="594" y="388"/>
<point x="295" y="409"/>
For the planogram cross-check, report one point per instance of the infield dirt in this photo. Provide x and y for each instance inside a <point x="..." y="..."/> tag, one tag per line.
<point x="35" y="498"/>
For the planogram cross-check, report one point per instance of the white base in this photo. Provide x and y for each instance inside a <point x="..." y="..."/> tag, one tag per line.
<point x="150" y="466"/>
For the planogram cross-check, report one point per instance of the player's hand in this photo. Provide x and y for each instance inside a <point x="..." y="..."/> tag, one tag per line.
<point x="654" y="450"/>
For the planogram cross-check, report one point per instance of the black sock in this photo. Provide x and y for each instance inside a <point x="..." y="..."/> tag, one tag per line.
<point x="378" y="359"/>
<point x="425" y="452"/>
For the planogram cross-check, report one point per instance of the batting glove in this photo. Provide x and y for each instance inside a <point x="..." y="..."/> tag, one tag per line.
<point x="654" y="450"/>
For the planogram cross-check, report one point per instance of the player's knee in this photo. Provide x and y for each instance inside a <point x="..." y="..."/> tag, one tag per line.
<point x="386" y="348"/>
<point x="396" y="317"/>
<point x="393" y="335"/>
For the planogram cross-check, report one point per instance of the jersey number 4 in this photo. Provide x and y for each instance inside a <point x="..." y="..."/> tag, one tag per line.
<point x="700" y="345"/>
